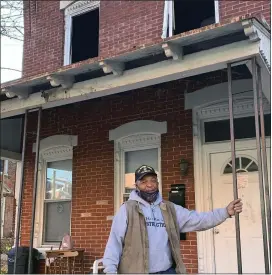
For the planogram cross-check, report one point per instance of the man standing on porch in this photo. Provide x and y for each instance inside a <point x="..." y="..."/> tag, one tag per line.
<point x="145" y="233"/>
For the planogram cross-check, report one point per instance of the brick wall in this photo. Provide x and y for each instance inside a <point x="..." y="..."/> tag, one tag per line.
<point x="44" y="37"/>
<point x="124" y="25"/>
<point x="93" y="158"/>
<point x="237" y="8"/>
<point x="93" y="163"/>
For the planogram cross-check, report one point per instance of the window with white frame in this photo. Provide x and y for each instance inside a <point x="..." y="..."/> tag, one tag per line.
<point x="186" y="15"/>
<point x="136" y="143"/>
<point x="57" y="200"/>
<point x="54" y="196"/>
<point x="81" y="31"/>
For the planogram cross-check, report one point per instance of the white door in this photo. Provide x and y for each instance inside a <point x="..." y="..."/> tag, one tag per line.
<point x="250" y="218"/>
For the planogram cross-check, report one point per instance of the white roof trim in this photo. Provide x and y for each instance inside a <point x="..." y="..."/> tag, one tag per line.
<point x="169" y="70"/>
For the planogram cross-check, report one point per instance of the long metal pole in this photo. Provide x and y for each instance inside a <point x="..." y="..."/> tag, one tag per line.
<point x="1" y="197"/>
<point x="264" y="159"/>
<point x="258" y="145"/>
<point x="234" y="175"/>
<point x="20" y="197"/>
<point x="30" y="262"/>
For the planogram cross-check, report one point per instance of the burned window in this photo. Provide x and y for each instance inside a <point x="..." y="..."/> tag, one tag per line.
<point x="85" y="36"/>
<point x="191" y="15"/>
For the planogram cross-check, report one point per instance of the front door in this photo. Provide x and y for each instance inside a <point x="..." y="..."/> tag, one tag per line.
<point x="250" y="218"/>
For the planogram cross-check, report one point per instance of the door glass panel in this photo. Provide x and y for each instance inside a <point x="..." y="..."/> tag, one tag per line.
<point x="243" y="164"/>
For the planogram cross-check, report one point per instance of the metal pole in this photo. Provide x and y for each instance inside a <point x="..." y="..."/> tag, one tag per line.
<point x="30" y="262"/>
<point x="264" y="159"/>
<point x="1" y="197"/>
<point x="258" y="145"/>
<point x="20" y="197"/>
<point x="234" y="175"/>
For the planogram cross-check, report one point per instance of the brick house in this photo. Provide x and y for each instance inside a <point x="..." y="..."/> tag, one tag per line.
<point x="142" y="84"/>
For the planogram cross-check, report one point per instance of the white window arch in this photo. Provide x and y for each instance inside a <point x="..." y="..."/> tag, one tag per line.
<point x="54" y="190"/>
<point x="135" y="143"/>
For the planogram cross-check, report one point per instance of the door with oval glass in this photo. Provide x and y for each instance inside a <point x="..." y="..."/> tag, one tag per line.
<point x="250" y="218"/>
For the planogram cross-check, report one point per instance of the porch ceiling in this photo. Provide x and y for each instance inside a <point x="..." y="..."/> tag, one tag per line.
<point x="194" y="52"/>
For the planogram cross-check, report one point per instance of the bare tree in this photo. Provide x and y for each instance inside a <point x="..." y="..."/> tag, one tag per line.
<point x="12" y="19"/>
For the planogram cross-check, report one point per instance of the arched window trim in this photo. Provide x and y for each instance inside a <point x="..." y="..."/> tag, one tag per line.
<point x="241" y="168"/>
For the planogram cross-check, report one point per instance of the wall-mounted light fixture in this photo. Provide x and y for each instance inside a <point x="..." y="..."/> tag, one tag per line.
<point x="183" y="167"/>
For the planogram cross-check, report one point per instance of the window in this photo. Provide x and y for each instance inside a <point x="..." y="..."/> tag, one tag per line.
<point x="136" y="143"/>
<point x="190" y="15"/>
<point x="57" y="201"/>
<point x="81" y="31"/>
<point x="243" y="128"/>
<point x="4" y="166"/>
<point x="242" y="165"/>
<point x="54" y="194"/>
<point x="133" y="160"/>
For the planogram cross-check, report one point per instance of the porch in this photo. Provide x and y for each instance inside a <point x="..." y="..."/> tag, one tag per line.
<point x="96" y="132"/>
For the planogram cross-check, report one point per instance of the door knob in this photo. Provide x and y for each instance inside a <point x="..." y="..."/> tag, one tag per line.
<point x="216" y="231"/>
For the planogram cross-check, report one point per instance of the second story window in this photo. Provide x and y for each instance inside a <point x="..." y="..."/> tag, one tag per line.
<point x="190" y="15"/>
<point x="187" y="15"/>
<point x="81" y="31"/>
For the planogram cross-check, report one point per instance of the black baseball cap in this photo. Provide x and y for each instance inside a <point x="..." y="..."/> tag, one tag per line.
<point x="144" y="170"/>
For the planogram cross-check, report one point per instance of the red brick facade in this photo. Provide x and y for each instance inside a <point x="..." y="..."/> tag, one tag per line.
<point x="93" y="160"/>
<point x="124" y="25"/>
<point x="93" y="157"/>
<point x="229" y="9"/>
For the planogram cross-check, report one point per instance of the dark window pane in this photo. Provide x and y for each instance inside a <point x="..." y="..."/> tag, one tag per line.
<point x="237" y="163"/>
<point x="245" y="162"/>
<point x="228" y="169"/>
<point x="253" y="167"/>
<point x="243" y="128"/>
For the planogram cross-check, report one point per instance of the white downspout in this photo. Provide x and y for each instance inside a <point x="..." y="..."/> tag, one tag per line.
<point x="165" y="19"/>
<point x="170" y="17"/>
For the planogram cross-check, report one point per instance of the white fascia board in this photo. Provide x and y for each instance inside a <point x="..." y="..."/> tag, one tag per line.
<point x="192" y="64"/>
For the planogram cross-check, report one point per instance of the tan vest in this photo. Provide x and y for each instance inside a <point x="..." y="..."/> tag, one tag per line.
<point x="135" y="250"/>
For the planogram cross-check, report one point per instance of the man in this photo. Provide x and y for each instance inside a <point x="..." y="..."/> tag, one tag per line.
<point x="145" y="232"/>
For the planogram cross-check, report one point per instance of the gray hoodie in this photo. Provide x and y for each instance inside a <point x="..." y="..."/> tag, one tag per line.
<point x="160" y="258"/>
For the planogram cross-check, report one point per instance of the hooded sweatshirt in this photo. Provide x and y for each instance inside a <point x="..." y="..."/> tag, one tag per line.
<point x="160" y="258"/>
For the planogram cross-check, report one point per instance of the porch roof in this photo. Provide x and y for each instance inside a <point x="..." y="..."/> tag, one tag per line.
<point x="176" y="47"/>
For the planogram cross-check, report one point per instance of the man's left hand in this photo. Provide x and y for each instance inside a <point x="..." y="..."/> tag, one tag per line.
<point x="235" y="206"/>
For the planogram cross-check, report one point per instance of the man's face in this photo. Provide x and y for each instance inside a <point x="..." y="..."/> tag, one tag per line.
<point x="148" y="183"/>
